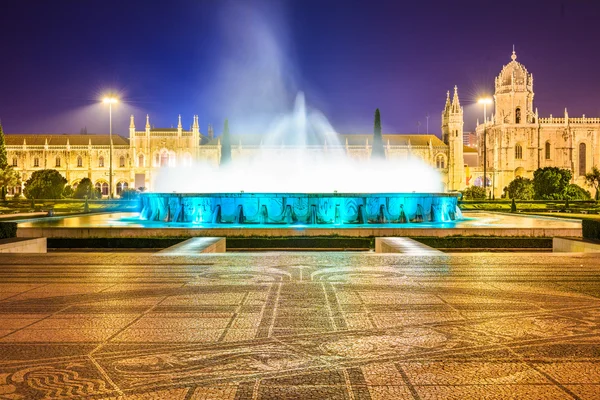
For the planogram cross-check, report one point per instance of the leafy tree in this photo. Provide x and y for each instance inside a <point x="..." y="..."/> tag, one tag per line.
<point x="378" y="151"/>
<point x="8" y="178"/>
<point x="84" y="188"/>
<point x="576" y="192"/>
<point x="592" y="179"/>
<point x="550" y="183"/>
<point x="225" y="145"/>
<point x="474" y="193"/>
<point x="45" y="184"/>
<point x="520" y="188"/>
<point x="67" y="192"/>
<point x="513" y="206"/>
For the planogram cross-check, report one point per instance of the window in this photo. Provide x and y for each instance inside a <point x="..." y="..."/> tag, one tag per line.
<point x="440" y="162"/>
<point x="157" y="162"/>
<point x="164" y="159"/>
<point x="141" y="160"/>
<point x="547" y="148"/>
<point x="101" y="161"/>
<point x="36" y="162"/>
<point x="14" y="160"/>
<point x="122" y="161"/>
<point x="582" y="159"/>
<point x="518" y="115"/>
<point x="102" y="188"/>
<point x="121" y="186"/>
<point x="58" y="161"/>
<point x="79" y="161"/>
<point x="518" y="152"/>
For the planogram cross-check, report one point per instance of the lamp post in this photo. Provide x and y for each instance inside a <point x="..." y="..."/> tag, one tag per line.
<point x="485" y="101"/>
<point x="110" y="100"/>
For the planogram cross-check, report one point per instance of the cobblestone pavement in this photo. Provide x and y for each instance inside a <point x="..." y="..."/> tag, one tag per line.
<point x="299" y="326"/>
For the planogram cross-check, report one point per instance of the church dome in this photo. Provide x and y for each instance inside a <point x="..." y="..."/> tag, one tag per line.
<point x="514" y="76"/>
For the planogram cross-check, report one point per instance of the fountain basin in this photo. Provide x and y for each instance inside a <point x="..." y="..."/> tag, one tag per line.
<point x="299" y="208"/>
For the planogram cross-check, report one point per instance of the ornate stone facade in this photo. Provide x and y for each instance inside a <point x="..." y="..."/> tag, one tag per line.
<point x="518" y="141"/>
<point x="136" y="158"/>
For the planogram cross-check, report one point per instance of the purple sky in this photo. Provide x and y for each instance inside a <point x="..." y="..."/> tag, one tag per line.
<point x="246" y="60"/>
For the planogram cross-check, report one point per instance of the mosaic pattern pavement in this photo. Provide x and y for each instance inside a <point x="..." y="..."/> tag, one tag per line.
<point x="299" y="326"/>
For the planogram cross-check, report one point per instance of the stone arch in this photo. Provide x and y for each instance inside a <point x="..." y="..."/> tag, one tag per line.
<point x="519" y="171"/>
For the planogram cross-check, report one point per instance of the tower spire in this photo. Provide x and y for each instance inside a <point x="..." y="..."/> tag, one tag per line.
<point x="179" y="122"/>
<point x="514" y="55"/>
<point x="147" y="121"/>
<point x="131" y="123"/>
<point x="455" y="101"/>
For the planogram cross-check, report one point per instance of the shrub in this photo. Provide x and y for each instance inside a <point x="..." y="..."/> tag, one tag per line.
<point x="68" y="192"/>
<point x="575" y="192"/>
<point x="474" y="193"/>
<point x="549" y="183"/>
<point x="520" y="188"/>
<point x="8" y="230"/>
<point x="590" y="229"/>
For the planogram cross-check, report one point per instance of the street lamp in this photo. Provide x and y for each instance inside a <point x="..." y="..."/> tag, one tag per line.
<point x="110" y="100"/>
<point x="485" y="101"/>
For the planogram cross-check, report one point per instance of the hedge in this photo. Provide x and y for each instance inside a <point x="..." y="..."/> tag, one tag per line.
<point x="590" y="229"/>
<point x="8" y="230"/>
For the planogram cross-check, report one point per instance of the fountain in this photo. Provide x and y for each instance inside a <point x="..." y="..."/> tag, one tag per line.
<point x="301" y="174"/>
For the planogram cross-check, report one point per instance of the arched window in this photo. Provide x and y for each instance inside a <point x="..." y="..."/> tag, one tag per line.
<point x="157" y="160"/>
<point x="98" y="187"/>
<point x="79" y="161"/>
<point x="104" y="189"/>
<point x="36" y="162"/>
<point x="57" y="161"/>
<point x="121" y="186"/>
<point x="547" y="148"/>
<point x="14" y="161"/>
<point x="141" y="160"/>
<point x="101" y="161"/>
<point x="518" y="152"/>
<point x="122" y="161"/>
<point x="582" y="159"/>
<point x="440" y="162"/>
<point x="518" y="115"/>
<point x="164" y="159"/>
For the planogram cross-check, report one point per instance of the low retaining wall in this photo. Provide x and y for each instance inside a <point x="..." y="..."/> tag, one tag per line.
<point x="570" y="245"/>
<point x="20" y="245"/>
<point x="128" y="232"/>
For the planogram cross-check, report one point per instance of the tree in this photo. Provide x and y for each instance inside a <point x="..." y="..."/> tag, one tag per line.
<point x="474" y="193"/>
<point x="67" y="192"/>
<point x="45" y="184"/>
<point x="592" y="179"/>
<point x="3" y="157"/>
<point x="84" y="188"/>
<point x="576" y="192"/>
<point x="225" y="144"/>
<point x="550" y="183"/>
<point x="8" y="178"/>
<point x="520" y="188"/>
<point x="377" y="151"/>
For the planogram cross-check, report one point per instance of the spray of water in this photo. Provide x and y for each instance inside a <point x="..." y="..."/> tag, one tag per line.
<point x="301" y="153"/>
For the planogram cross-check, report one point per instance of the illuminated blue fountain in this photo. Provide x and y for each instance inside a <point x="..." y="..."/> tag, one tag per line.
<point x="301" y="174"/>
<point x="295" y="208"/>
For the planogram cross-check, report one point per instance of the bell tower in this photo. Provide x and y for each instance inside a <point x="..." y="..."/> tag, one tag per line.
<point x="514" y="94"/>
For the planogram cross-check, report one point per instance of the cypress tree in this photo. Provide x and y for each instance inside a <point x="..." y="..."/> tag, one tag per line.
<point x="225" y="144"/>
<point x="3" y="157"/>
<point x="377" y="151"/>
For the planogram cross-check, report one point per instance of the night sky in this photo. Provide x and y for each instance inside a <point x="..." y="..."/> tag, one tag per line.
<point x="246" y="60"/>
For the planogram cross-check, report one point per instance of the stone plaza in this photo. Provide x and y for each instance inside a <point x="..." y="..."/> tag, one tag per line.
<point x="300" y="325"/>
